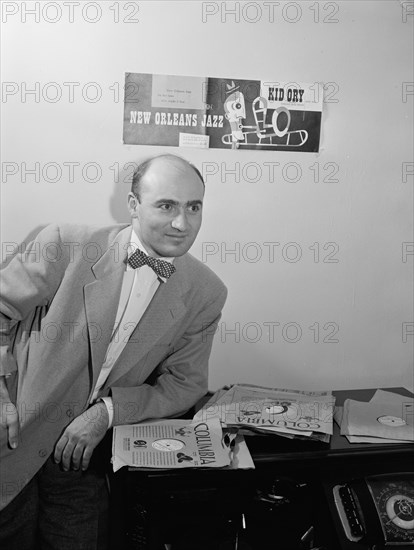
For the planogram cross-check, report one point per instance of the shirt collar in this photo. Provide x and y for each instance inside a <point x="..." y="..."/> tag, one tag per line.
<point x="134" y="243"/>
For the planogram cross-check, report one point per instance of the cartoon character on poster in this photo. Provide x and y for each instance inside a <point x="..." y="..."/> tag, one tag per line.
<point x="264" y="132"/>
<point x="235" y="108"/>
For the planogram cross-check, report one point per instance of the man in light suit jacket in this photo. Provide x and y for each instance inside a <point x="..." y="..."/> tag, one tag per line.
<point x="100" y="327"/>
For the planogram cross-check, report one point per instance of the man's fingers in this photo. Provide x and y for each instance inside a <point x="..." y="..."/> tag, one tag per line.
<point x="78" y="451"/>
<point x="12" y="425"/>
<point x="67" y="455"/>
<point x="68" y="452"/>
<point x="75" y="447"/>
<point x="87" y="454"/>
<point x="59" y="448"/>
<point x="10" y="421"/>
<point x="9" y="417"/>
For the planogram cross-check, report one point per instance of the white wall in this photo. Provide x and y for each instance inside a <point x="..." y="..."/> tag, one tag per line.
<point x="367" y="57"/>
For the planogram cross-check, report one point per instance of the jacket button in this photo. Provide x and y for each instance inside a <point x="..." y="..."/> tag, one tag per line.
<point x="42" y="453"/>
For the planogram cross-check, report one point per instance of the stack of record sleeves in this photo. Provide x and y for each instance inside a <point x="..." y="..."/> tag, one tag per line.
<point x="387" y="418"/>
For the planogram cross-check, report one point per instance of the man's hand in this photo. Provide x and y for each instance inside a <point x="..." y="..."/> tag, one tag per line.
<point x="78" y="441"/>
<point x="9" y="418"/>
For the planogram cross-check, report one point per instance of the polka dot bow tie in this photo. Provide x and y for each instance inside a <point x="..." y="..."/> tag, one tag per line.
<point x="160" y="267"/>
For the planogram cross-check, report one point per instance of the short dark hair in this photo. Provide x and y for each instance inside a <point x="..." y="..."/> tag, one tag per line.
<point x="143" y="167"/>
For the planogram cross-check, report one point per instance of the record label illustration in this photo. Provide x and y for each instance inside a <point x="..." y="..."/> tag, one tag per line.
<point x="168" y="445"/>
<point x="288" y="410"/>
<point x="392" y="421"/>
<point x="276" y="409"/>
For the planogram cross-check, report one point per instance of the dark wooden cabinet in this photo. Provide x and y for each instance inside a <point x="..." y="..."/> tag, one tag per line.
<point x="284" y="503"/>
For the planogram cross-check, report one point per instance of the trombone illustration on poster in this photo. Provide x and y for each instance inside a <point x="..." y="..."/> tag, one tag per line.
<point x="223" y="113"/>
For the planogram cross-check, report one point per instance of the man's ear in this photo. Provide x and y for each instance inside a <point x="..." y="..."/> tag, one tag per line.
<point x="132" y="205"/>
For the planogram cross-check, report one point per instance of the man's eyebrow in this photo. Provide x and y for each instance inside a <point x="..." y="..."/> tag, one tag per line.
<point x="176" y="203"/>
<point x="166" y="201"/>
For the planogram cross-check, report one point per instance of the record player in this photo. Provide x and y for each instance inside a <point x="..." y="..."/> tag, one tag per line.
<point x="377" y="511"/>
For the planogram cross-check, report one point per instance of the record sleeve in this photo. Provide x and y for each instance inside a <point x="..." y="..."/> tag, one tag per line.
<point x="388" y="419"/>
<point x="170" y="444"/>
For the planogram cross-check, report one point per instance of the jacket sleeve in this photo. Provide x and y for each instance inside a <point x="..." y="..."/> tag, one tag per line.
<point x="181" y="379"/>
<point x="28" y="281"/>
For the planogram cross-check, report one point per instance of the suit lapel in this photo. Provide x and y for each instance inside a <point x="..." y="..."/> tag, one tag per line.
<point x="102" y="298"/>
<point x="166" y="309"/>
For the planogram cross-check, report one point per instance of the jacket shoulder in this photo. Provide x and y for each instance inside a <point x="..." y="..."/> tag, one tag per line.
<point x="202" y="276"/>
<point x="90" y="233"/>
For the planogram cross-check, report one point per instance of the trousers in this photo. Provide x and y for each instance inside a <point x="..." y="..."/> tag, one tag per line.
<point x="58" y="510"/>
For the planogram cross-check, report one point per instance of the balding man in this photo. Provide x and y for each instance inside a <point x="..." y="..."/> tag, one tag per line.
<point x="100" y="327"/>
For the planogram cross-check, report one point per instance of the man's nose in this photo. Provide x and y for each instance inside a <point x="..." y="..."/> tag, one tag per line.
<point x="180" y="221"/>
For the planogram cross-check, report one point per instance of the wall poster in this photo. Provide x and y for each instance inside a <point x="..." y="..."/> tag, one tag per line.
<point x="223" y="113"/>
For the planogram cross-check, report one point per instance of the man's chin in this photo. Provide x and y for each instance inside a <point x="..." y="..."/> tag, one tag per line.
<point x="173" y="250"/>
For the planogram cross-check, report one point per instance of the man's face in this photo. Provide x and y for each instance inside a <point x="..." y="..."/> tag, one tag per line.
<point x="168" y="217"/>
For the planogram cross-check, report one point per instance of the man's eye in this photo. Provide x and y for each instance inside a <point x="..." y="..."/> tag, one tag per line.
<point x="166" y="207"/>
<point x="194" y="208"/>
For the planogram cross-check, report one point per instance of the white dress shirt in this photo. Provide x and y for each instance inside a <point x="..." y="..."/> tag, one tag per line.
<point x="138" y="288"/>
